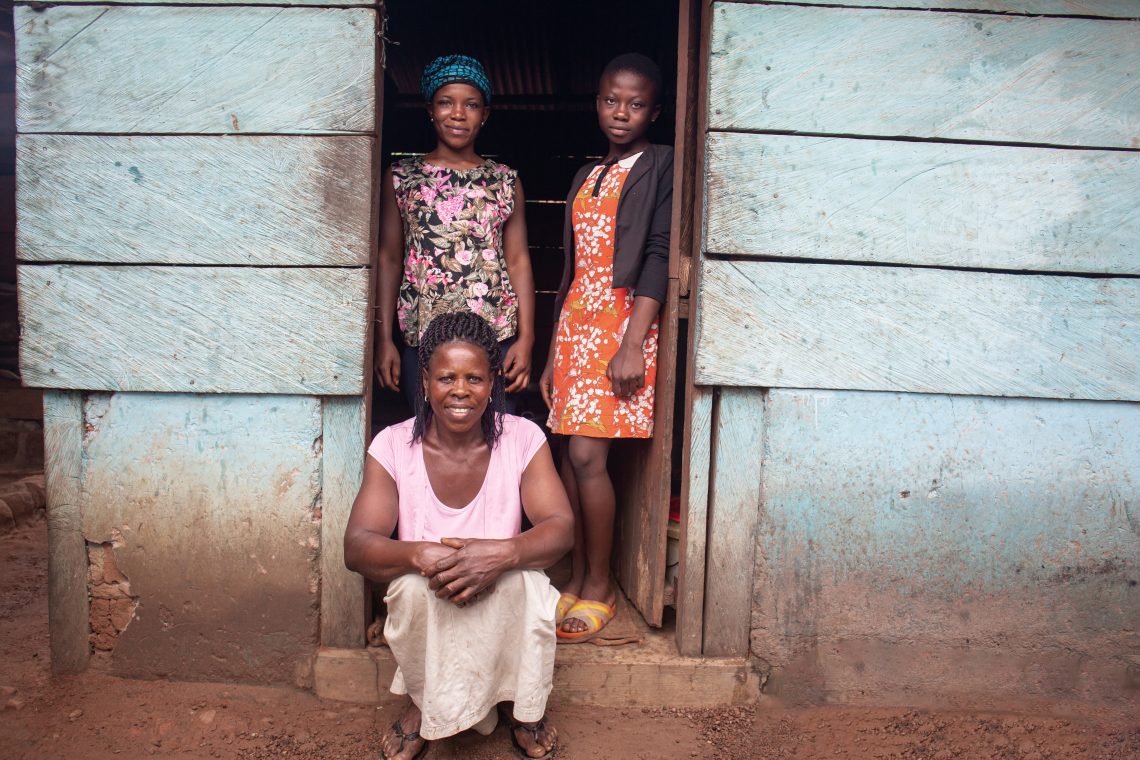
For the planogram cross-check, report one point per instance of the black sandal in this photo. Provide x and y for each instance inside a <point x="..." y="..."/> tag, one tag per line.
<point x="398" y="730"/>
<point x="534" y="732"/>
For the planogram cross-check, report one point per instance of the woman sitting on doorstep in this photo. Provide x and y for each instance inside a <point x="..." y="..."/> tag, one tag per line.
<point x="470" y="612"/>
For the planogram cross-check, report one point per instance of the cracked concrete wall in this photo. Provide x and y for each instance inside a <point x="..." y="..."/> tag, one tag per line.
<point x="202" y="514"/>
<point x="112" y="603"/>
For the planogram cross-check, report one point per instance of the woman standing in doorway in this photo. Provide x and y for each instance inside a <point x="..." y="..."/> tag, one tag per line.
<point x="453" y="235"/>
<point x="599" y="379"/>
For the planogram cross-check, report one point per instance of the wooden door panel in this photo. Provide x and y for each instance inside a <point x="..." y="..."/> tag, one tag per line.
<point x="642" y="479"/>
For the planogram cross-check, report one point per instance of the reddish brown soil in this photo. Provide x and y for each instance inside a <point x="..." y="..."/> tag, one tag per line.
<point x="98" y="716"/>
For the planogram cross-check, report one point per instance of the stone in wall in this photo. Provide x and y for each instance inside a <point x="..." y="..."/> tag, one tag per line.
<point x="21" y="502"/>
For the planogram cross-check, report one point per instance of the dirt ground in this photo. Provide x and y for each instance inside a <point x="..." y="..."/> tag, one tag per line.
<point x="98" y="716"/>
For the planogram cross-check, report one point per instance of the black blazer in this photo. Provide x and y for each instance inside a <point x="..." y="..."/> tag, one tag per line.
<point x="641" y="237"/>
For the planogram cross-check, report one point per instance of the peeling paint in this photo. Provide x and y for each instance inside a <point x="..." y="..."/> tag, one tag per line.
<point x="112" y="606"/>
<point x="206" y="504"/>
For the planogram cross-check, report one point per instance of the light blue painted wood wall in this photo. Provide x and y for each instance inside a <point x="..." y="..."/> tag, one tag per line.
<point x="901" y="213"/>
<point x="155" y="141"/>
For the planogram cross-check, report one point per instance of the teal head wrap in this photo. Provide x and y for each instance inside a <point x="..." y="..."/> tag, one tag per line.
<point x="454" y="68"/>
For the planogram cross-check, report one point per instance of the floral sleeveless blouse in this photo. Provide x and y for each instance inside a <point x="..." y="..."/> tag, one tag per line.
<point x="453" y="244"/>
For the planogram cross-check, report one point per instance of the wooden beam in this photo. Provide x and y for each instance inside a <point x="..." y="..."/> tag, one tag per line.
<point x="975" y="206"/>
<point x="193" y="329"/>
<point x="344" y="594"/>
<point x="696" y="445"/>
<point x="783" y="325"/>
<point x="734" y="512"/>
<point x="68" y="616"/>
<point x="685" y="146"/>
<point x="201" y="70"/>
<point x="695" y="470"/>
<point x="194" y="200"/>
<point x="899" y="73"/>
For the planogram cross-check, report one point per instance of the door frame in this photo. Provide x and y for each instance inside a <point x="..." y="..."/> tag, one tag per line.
<point x="645" y="485"/>
<point x="696" y="447"/>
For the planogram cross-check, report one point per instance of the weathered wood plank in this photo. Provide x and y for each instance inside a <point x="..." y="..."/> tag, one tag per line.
<point x="734" y="512"/>
<point x="344" y="597"/>
<point x="1104" y="8"/>
<point x="194" y="200"/>
<point x="978" y="206"/>
<point x="695" y="469"/>
<point x="209" y="505"/>
<point x="68" y="624"/>
<point x="302" y="3"/>
<point x="199" y="329"/>
<point x="929" y="331"/>
<point x="960" y="76"/>
<point x="686" y="141"/>
<point x="992" y="540"/>
<point x="195" y="70"/>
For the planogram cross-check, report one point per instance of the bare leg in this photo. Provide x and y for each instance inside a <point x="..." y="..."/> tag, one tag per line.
<point x="596" y="502"/>
<point x="391" y="742"/>
<point x="578" y="553"/>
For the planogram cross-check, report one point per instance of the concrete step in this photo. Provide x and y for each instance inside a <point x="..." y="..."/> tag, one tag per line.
<point x="648" y="674"/>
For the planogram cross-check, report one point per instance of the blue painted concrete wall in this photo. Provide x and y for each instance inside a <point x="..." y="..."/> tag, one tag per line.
<point x="954" y="546"/>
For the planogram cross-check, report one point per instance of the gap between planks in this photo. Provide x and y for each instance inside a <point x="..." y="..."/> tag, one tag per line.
<point x="912" y="138"/>
<point x="928" y="9"/>
<point x="714" y="256"/>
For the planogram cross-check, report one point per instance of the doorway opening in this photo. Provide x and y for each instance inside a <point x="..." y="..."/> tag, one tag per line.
<point x="544" y="61"/>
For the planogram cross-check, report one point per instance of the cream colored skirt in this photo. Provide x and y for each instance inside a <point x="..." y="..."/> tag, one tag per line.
<point x="458" y="663"/>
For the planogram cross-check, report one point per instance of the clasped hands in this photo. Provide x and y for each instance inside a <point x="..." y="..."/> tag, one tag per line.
<point x="463" y="570"/>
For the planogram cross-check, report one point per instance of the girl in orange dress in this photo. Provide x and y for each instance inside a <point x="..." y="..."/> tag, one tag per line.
<point x="599" y="379"/>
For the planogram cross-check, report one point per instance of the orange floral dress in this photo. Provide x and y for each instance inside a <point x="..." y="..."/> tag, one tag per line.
<point x="593" y="321"/>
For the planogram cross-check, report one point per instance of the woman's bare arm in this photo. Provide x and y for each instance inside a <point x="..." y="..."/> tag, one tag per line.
<point x="391" y="272"/>
<point x="626" y="369"/>
<point x="516" y="254"/>
<point x="369" y="548"/>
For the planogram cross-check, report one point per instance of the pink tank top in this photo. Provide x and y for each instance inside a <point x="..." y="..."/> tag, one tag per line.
<point x="495" y="512"/>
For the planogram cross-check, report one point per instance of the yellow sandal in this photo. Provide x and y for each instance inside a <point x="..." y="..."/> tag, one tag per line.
<point x="594" y="614"/>
<point x="565" y="603"/>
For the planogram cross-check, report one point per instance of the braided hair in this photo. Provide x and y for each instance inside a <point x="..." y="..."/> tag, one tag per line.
<point x="463" y="327"/>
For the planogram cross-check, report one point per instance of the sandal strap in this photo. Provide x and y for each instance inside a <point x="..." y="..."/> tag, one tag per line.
<point x="594" y="614"/>
<point x="399" y="731"/>
<point x="534" y="730"/>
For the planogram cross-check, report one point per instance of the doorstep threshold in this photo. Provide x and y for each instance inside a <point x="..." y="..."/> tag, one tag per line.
<point x="648" y="674"/>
